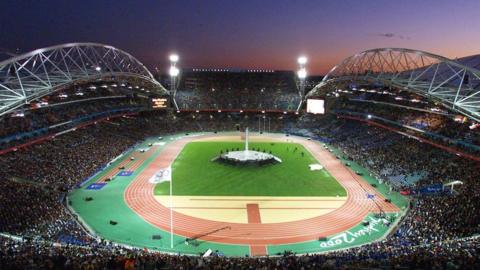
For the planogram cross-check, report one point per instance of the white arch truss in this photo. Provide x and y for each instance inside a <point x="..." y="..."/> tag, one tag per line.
<point x="436" y="77"/>
<point x="40" y="72"/>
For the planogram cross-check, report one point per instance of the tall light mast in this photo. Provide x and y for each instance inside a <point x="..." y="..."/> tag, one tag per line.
<point x="173" y="72"/>
<point x="302" y="75"/>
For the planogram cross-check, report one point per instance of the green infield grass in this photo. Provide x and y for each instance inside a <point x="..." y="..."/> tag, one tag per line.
<point x="194" y="174"/>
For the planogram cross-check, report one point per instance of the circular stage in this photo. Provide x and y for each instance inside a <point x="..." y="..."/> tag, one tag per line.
<point x="247" y="157"/>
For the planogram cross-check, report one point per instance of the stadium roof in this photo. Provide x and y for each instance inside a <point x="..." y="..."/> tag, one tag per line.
<point x="455" y="83"/>
<point x="472" y="61"/>
<point x="32" y="75"/>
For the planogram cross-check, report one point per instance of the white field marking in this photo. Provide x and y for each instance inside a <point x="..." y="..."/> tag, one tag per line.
<point x="315" y="167"/>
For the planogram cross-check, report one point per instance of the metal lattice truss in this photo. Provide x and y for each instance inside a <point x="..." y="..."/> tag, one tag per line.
<point x="38" y="73"/>
<point x="433" y="76"/>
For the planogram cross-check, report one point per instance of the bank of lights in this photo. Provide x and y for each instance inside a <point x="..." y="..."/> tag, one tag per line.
<point x="173" y="58"/>
<point x="173" y="71"/>
<point x="302" y="73"/>
<point x="302" y="60"/>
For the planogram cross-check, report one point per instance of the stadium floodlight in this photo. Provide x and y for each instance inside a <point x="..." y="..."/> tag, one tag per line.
<point x="302" y="60"/>
<point x="174" y="71"/>
<point x="302" y="73"/>
<point x="173" y="58"/>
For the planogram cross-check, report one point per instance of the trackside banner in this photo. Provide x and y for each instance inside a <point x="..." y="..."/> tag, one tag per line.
<point x="163" y="175"/>
<point x="432" y="189"/>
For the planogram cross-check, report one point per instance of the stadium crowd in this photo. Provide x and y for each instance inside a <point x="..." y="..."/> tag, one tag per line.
<point x="431" y="218"/>
<point x="432" y="234"/>
<point x="426" y="116"/>
<point x="67" y="108"/>
<point x="275" y="90"/>
<point x="40" y="175"/>
<point x="458" y="254"/>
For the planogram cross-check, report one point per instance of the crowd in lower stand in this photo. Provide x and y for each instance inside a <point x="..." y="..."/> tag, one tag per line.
<point x="34" y="182"/>
<point x="457" y="254"/>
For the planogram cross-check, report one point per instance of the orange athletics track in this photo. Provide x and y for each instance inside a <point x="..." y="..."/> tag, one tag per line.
<point x="139" y="196"/>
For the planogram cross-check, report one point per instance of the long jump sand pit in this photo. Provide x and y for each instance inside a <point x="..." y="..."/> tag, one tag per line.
<point x="256" y="221"/>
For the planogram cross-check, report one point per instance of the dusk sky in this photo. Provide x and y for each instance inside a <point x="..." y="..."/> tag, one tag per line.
<point x="245" y="34"/>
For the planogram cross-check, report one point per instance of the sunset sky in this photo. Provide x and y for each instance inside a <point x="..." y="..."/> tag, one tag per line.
<point x="245" y="34"/>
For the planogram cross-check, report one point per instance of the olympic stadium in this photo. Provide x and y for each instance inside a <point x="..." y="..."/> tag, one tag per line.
<point x="378" y="156"/>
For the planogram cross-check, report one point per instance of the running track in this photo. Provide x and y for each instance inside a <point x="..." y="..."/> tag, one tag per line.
<point x="139" y="196"/>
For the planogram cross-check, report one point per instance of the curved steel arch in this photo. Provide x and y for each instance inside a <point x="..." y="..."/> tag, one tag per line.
<point x="436" y="77"/>
<point x="40" y="72"/>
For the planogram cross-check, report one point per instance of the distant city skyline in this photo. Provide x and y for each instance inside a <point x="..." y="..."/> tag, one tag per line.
<point x="247" y="34"/>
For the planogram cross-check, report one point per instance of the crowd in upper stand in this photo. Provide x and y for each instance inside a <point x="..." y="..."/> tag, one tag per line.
<point x="437" y="121"/>
<point x="50" y="116"/>
<point x="85" y="100"/>
<point x="238" y="90"/>
<point x="37" y="178"/>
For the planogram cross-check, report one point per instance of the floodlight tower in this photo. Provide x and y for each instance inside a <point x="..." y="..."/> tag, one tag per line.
<point x="174" y="72"/>
<point x="302" y="75"/>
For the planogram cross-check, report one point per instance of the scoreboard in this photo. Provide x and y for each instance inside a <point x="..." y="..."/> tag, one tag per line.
<point x="159" y="103"/>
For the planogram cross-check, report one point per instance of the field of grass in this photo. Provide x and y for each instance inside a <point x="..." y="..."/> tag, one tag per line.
<point x="194" y="174"/>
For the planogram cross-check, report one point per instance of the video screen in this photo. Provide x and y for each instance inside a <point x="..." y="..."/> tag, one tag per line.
<point x="316" y="106"/>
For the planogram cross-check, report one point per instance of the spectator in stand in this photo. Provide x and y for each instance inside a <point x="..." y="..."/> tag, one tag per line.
<point x="434" y="233"/>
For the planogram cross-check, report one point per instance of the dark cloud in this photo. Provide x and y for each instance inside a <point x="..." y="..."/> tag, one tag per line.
<point x="392" y="35"/>
<point x="387" y="35"/>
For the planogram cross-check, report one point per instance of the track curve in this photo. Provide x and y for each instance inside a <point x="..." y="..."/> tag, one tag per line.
<point x="139" y="196"/>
